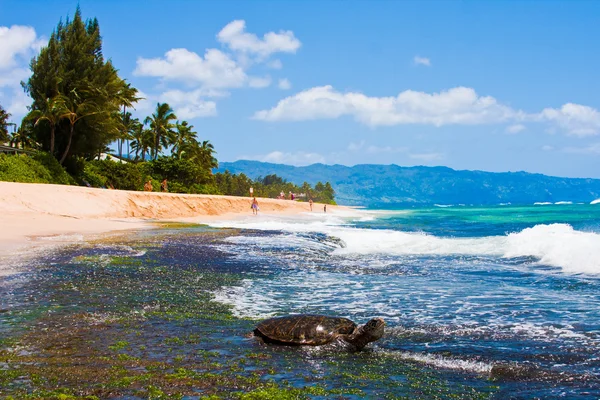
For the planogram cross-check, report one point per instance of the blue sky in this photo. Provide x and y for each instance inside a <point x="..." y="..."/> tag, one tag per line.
<point x="495" y="86"/>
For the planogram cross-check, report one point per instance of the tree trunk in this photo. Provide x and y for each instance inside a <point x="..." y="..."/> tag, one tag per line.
<point x="68" y="145"/>
<point x="52" y="127"/>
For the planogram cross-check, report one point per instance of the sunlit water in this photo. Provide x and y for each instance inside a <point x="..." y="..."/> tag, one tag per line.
<point x="506" y="294"/>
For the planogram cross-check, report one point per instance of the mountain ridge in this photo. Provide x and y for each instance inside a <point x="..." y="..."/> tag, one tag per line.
<point x="378" y="185"/>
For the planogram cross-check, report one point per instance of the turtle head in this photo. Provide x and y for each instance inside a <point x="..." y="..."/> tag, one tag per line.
<point x="374" y="328"/>
<point x="369" y="332"/>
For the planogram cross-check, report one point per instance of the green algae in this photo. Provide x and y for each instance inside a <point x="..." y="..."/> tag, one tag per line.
<point x="144" y="328"/>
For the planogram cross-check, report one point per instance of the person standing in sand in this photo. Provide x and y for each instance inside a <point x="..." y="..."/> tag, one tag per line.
<point x="148" y="186"/>
<point x="310" y="203"/>
<point x="324" y="208"/>
<point x="163" y="186"/>
<point x="255" y="207"/>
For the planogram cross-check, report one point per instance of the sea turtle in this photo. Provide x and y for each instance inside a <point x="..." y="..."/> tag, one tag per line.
<point x="315" y="330"/>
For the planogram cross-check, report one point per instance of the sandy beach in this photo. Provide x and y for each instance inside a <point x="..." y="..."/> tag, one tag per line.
<point x="29" y="211"/>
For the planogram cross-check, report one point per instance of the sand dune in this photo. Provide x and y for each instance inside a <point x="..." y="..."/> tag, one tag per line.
<point x="29" y="210"/>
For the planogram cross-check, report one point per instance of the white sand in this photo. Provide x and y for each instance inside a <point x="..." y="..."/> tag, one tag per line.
<point x="33" y="213"/>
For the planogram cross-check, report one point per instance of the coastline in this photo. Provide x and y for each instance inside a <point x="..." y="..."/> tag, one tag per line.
<point x="31" y="211"/>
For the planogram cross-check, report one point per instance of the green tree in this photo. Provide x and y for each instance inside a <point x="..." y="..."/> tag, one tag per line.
<point x="73" y="63"/>
<point x="161" y="126"/>
<point x="4" y="116"/>
<point x="185" y="139"/>
<point x="52" y="112"/>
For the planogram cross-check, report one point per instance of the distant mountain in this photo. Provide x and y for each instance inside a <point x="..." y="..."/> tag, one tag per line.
<point x="387" y="185"/>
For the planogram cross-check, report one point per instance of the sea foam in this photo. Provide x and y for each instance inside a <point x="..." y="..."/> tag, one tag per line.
<point x="557" y="245"/>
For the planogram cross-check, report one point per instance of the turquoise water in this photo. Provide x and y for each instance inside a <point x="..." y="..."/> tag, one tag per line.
<point x="506" y="290"/>
<point x="502" y="300"/>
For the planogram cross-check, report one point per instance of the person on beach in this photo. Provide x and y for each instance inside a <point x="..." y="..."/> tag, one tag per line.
<point x="255" y="207"/>
<point x="251" y="192"/>
<point x="163" y="186"/>
<point x="310" y="203"/>
<point x="324" y="208"/>
<point x="148" y="186"/>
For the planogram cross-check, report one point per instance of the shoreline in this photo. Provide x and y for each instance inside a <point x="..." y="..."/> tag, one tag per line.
<point x="30" y="212"/>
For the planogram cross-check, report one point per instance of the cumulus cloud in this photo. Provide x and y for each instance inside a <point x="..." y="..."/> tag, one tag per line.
<point x="515" y="128"/>
<point x="575" y="119"/>
<point x="17" y="45"/>
<point x="284" y="84"/>
<point x="275" y="64"/>
<point x="234" y="35"/>
<point x="186" y="104"/>
<point x="215" y="69"/>
<point x="593" y="149"/>
<point x="422" y="61"/>
<point x="547" y="147"/>
<point x="259" y="82"/>
<point x="17" y="41"/>
<point x="458" y="105"/>
<point x="299" y="158"/>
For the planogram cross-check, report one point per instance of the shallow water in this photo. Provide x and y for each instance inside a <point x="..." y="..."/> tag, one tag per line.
<point x="508" y="308"/>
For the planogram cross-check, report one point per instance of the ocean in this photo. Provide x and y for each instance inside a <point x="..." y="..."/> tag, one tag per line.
<point x="480" y="302"/>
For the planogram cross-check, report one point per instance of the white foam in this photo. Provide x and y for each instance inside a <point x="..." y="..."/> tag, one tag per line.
<point x="442" y="362"/>
<point x="557" y="245"/>
<point x="597" y="201"/>
<point x="542" y="203"/>
<point x="563" y="202"/>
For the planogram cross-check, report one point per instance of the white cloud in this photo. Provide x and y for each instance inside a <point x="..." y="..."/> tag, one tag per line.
<point x="216" y="69"/>
<point x="458" y="105"/>
<point x="575" y="119"/>
<point x="234" y="35"/>
<point x="515" y="128"/>
<point x="299" y="158"/>
<point x="284" y="84"/>
<point x="17" y="41"/>
<point x="17" y="45"/>
<point x="258" y="82"/>
<point x="422" y="61"/>
<point x="427" y="157"/>
<point x="547" y="147"/>
<point x="275" y="64"/>
<point x="356" y="146"/>
<point x="13" y="77"/>
<point x="591" y="149"/>
<point x="185" y="104"/>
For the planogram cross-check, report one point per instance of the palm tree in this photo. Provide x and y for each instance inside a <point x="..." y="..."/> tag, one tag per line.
<point x="4" y="116"/>
<point x="184" y="137"/>
<point x="161" y="127"/>
<point x="208" y="160"/>
<point x="20" y="137"/>
<point x="75" y="110"/>
<point x="126" y="96"/>
<point x="53" y="111"/>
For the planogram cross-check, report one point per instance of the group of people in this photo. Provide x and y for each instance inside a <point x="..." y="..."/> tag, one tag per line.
<point x="255" y="208"/>
<point x="163" y="186"/>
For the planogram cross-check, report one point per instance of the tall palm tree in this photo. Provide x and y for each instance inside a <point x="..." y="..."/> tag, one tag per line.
<point x="53" y="111"/>
<point x="126" y="97"/>
<point x="4" y="116"/>
<point x="184" y="137"/>
<point x="208" y="160"/>
<point x="161" y="127"/>
<point x="76" y="109"/>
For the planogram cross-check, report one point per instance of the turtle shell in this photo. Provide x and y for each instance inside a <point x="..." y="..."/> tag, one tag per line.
<point x="304" y="329"/>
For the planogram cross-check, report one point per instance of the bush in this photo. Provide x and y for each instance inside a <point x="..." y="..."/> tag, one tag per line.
<point x="22" y="168"/>
<point x="58" y="173"/>
<point x="103" y="173"/>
